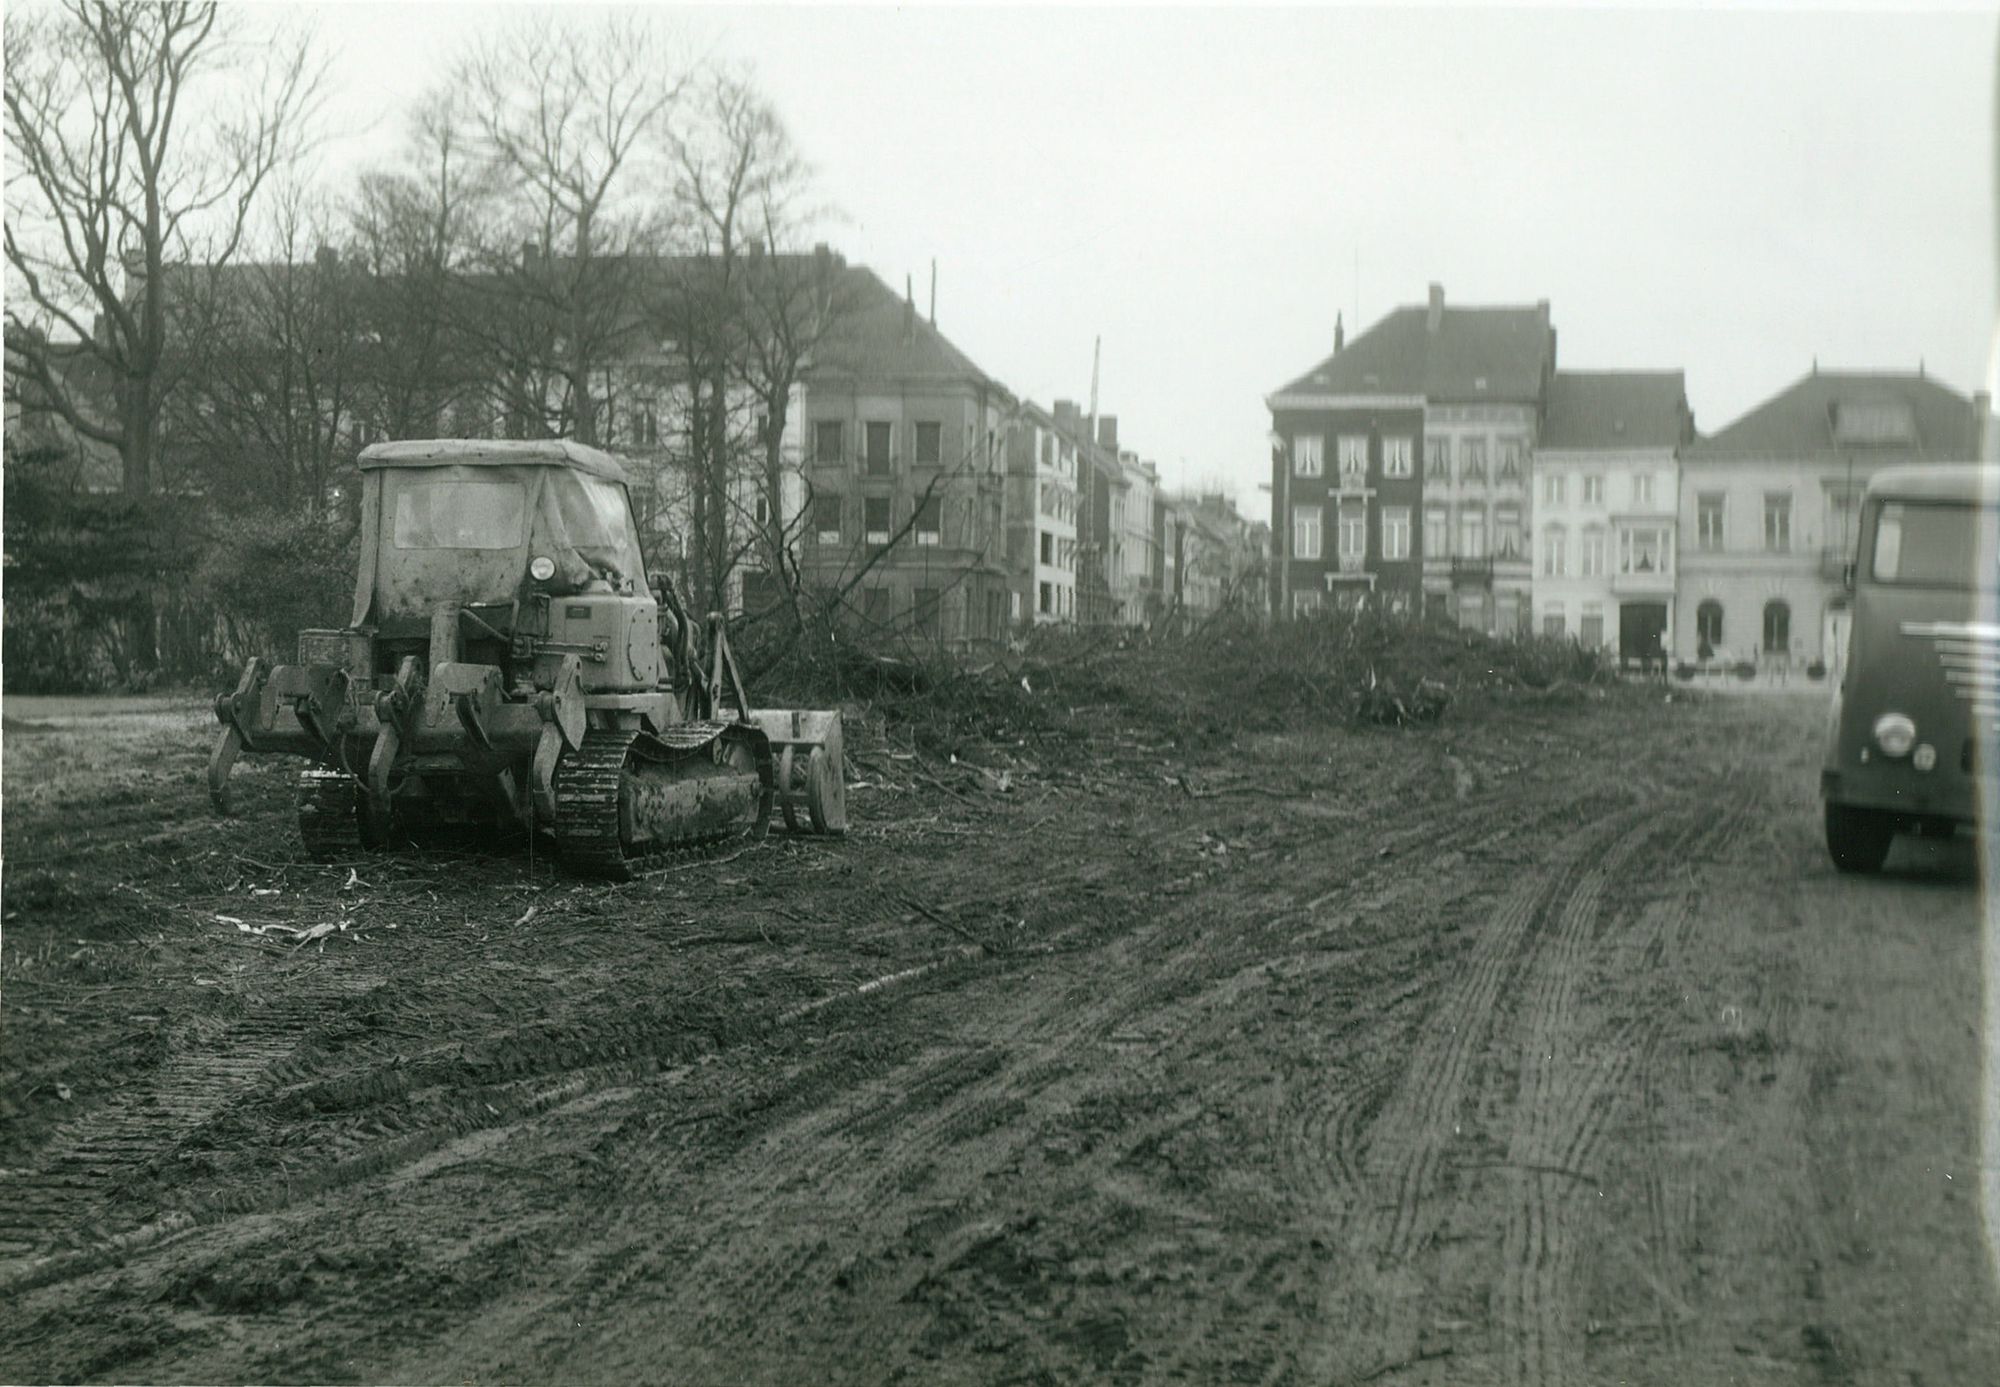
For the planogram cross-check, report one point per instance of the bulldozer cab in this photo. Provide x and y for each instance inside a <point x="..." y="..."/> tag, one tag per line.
<point x="473" y="522"/>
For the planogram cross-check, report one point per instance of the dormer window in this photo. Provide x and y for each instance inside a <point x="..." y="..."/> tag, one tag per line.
<point x="1873" y="421"/>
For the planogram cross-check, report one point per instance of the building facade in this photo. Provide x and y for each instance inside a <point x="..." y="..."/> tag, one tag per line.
<point x="1606" y="478"/>
<point x="1769" y="508"/>
<point x="1400" y="465"/>
<point x="1041" y="510"/>
<point x="907" y="443"/>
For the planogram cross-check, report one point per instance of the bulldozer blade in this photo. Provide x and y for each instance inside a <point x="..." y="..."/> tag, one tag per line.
<point x="220" y="763"/>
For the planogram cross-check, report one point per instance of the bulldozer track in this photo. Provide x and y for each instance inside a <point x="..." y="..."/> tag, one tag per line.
<point x="588" y="784"/>
<point x="330" y="815"/>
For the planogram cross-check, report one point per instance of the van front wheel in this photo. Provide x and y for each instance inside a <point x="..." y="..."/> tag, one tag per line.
<point x="1858" y="839"/>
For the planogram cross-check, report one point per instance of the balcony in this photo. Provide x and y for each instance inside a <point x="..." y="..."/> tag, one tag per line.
<point x="1472" y="572"/>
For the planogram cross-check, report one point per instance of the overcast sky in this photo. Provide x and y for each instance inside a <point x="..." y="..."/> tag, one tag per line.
<point x="1728" y="193"/>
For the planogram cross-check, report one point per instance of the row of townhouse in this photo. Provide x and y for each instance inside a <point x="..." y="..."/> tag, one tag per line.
<point x="1442" y="462"/>
<point x="1018" y="515"/>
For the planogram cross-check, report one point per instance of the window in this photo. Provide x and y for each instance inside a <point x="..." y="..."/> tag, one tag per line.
<point x="1437" y="532"/>
<point x="1708" y="520"/>
<point x="1472" y="534"/>
<point x="1472" y="460"/>
<point x="930" y="444"/>
<point x="1048" y="548"/>
<point x="876" y="451"/>
<point x="875" y="520"/>
<point x="1437" y="458"/>
<point x="930" y="521"/>
<point x="1305" y="532"/>
<point x="926" y="612"/>
<point x="1777" y="627"/>
<point x="827" y="441"/>
<point x="762" y="510"/>
<point x="649" y="426"/>
<point x="826" y="518"/>
<point x="1552" y="621"/>
<point x="1555" y="552"/>
<point x="1353" y="458"/>
<point x="1642" y="489"/>
<point x="1353" y="535"/>
<point x="1593" y="488"/>
<point x="1308" y="455"/>
<point x="1642" y="551"/>
<point x="1395" y="532"/>
<point x="1591" y="625"/>
<point x="1396" y="457"/>
<point x="1045" y="603"/>
<point x="1554" y="488"/>
<point x="1778" y="521"/>
<point x="1507" y="537"/>
<point x="1510" y="459"/>
<point x="1593" y="553"/>
<point x="442" y="514"/>
<point x="1708" y="628"/>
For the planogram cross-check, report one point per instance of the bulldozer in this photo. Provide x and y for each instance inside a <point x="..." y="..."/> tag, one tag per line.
<point x="509" y="665"/>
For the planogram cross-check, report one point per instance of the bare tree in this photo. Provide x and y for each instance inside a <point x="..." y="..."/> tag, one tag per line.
<point x="271" y="368"/>
<point x="570" y="112"/>
<point x="415" y="233"/>
<point x="127" y="154"/>
<point x="746" y="317"/>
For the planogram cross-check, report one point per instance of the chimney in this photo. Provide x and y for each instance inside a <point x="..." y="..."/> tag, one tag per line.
<point x="1339" y="334"/>
<point x="1107" y="432"/>
<point x="530" y="254"/>
<point x="326" y="257"/>
<point x="1069" y="416"/>
<point x="909" y="311"/>
<point x="1435" y="319"/>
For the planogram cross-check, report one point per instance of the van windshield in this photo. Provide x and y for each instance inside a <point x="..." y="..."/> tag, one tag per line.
<point x="1934" y="544"/>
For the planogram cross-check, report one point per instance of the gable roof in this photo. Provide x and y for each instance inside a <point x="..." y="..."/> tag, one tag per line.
<point x="880" y="335"/>
<point x="1474" y="354"/>
<point x="1617" y="409"/>
<point x="1836" y="414"/>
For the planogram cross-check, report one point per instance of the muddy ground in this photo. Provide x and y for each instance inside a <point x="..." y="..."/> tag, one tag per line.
<point x="1543" y="1046"/>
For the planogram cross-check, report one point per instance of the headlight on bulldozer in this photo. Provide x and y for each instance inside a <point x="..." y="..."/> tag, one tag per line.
<point x="542" y="568"/>
<point x="1895" y="734"/>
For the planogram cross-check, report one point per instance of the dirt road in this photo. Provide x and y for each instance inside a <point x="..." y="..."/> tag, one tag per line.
<point x="1544" y="1047"/>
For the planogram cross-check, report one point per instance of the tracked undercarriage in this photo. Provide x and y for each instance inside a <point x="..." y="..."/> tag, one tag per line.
<point x="510" y="668"/>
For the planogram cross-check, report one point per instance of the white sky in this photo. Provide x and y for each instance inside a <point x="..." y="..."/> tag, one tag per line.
<point x="1728" y="193"/>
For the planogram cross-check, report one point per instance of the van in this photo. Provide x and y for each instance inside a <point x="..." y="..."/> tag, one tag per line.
<point x="1916" y="713"/>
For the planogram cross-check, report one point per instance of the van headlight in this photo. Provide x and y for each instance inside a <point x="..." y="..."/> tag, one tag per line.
<point x="1895" y="734"/>
<point x="542" y="568"/>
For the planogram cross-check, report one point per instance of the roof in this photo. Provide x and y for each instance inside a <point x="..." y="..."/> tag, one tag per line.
<point x="492" y="452"/>
<point x="1475" y="354"/>
<point x="1617" y="409"/>
<point x="1938" y="482"/>
<point x="880" y="335"/>
<point x="1877" y="416"/>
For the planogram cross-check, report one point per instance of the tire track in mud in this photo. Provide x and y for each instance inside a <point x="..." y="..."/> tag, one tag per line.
<point x="1031" y="1065"/>
<point x="59" y="1207"/>
<point x="959" y="1113"/>
<point x="1408" y="1143"/>
<point x="1568" y="1071"/>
